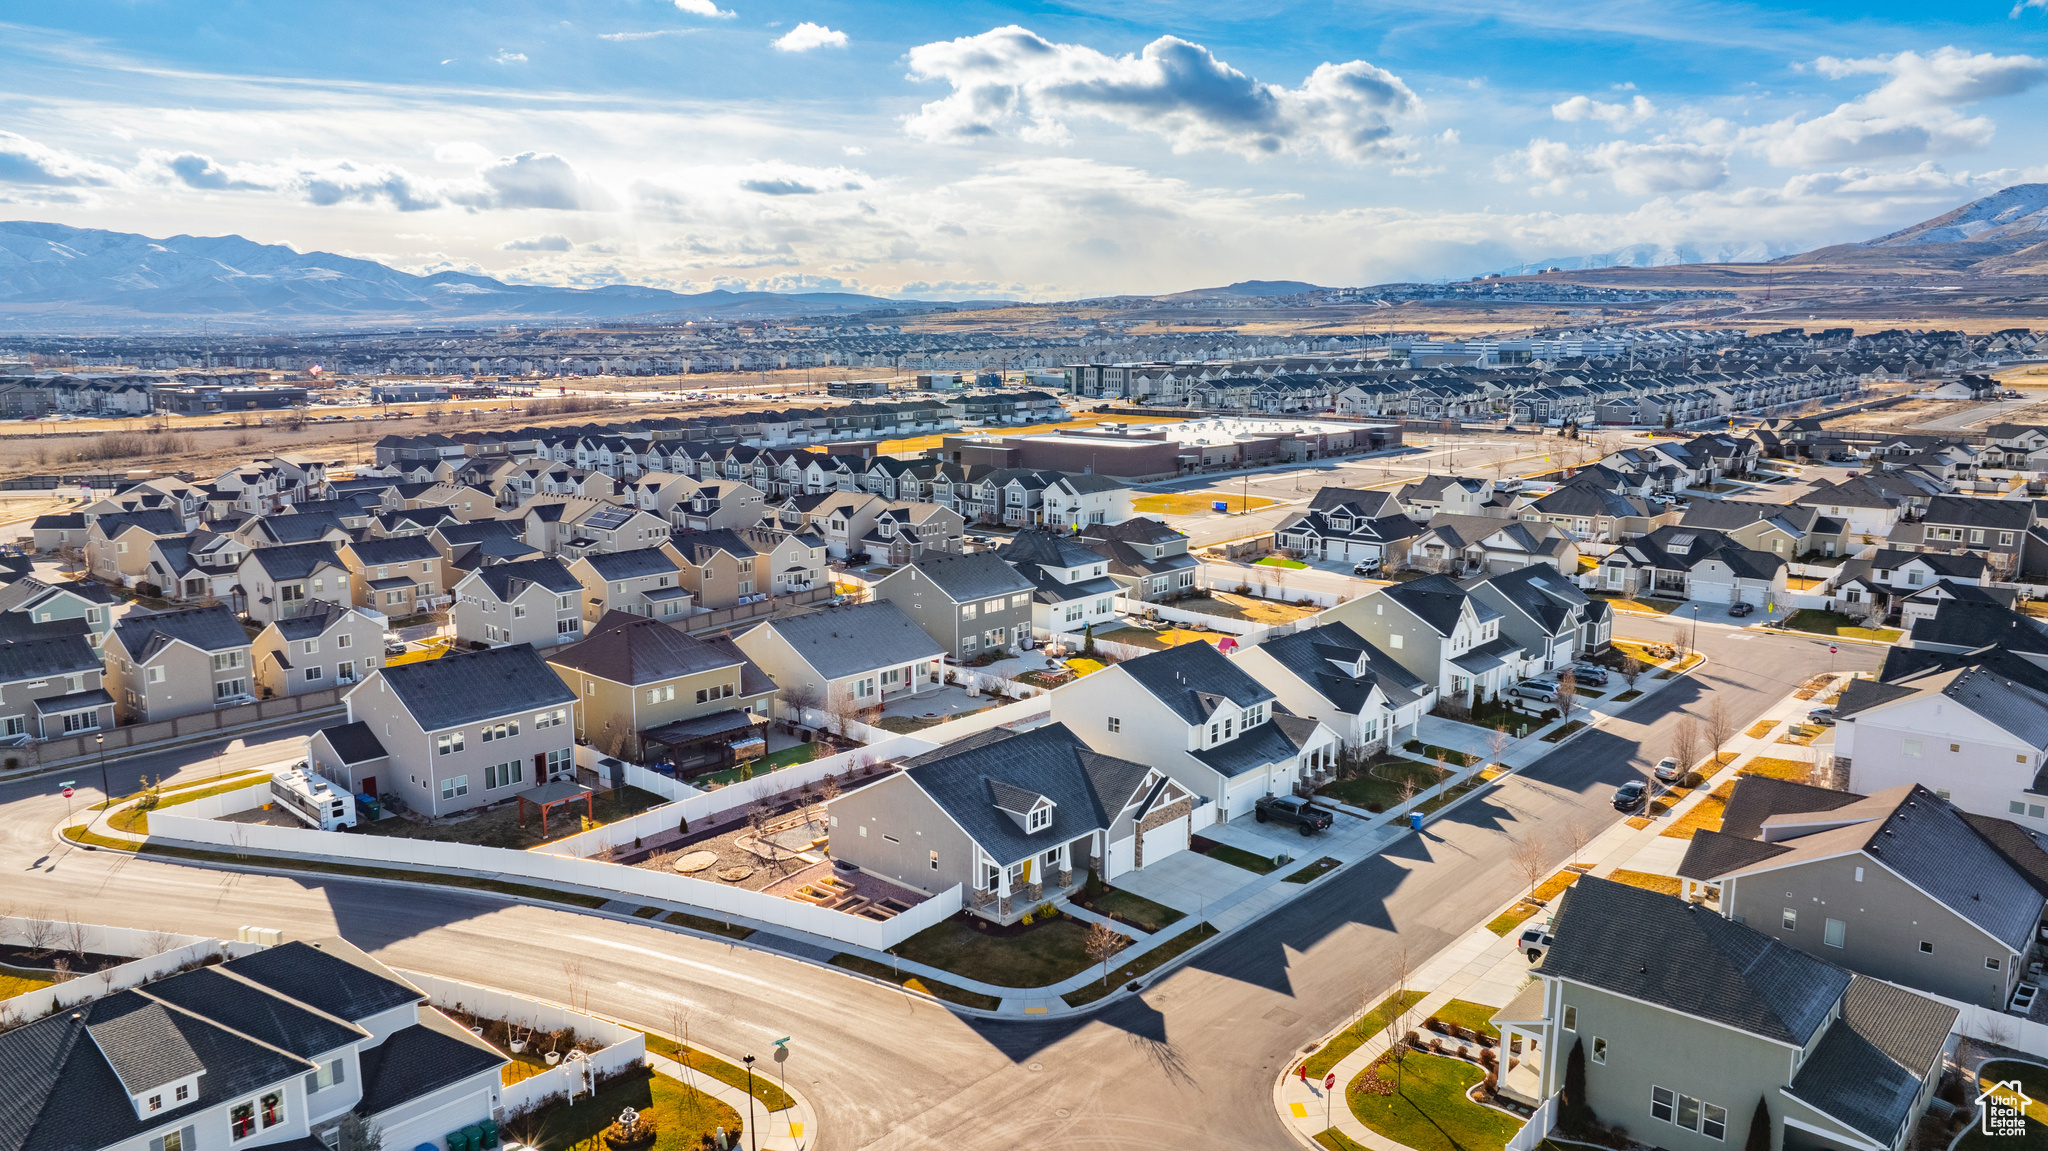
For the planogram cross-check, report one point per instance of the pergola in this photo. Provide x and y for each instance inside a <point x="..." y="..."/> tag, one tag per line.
<point x="553" y="794"/>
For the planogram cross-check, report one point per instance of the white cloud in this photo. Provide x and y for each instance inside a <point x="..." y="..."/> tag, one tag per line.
<point x="1012" y="78"/>
<point x="508" y="57"/>
<point x="702" y="8"/>
<point x="531" y="180"/>
<point x="1634" y="169"/>
<point x="551" y="242"/>
<point x="629" y="36"/>
<point x="1915" y="112"/>
<point x="1619" y="117"/>
<point x="2023" y="5"/>
<point x="807" y="36"/>
<point x="24" y="161"/>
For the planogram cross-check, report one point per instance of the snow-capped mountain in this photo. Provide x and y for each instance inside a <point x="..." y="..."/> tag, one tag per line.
<point x="2015" y="218"/>
<point x="1655" y="256"/>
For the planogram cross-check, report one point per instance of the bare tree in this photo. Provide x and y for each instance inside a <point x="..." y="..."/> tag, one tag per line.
<point x="160" y="941"/>
<point x="360" y="1134"/>
<point x="1685" y="743"/>
<point x="1567" y="693"/>
<point x="76" y="938"/>
<point x="1497" y="743"/>
<point x="1719" y="727"/>
<point x="1104" y="942"/>
<point x="1395" y="1027"/>
<point x="576" y="982"/>
<point x="1578" y="834"/>
<point x="38" y="933"/>
<point x="1529" y="857"/>
<point x="1632" y="670"/>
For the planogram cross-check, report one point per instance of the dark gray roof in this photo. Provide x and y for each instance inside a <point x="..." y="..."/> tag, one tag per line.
<point x="295" y="561"/>
<point x="1137" y="530"/>
<point x="44" y="656"/>
<point x="156" y="523"/>
<point x="394" y="550"/>
<point x="315" y="618"/>
<point x="1313" y="654"/>
<point x="330" y="975"/>
<point x="632" y="564"/>
<point x="1252" y="750"/>
<point x="1971" y="511"/>
<point x="1713" y="854"/>
<point x="2018" y="846"/>
<point x="1192" y="678"/>
<point x="74" y="701"/>
<point x="1665" y="951"/>
<point x="473" y="686"/>
<point x="508" y="581"/>
<point x="1044" y="549"/>
<point x="299" y="528"/>
<point x="421" y="1059"/>
<point x="1961" y="624"/>
<point x="258" y="1013"/>
<point x="843" y="641"/>
<point x="1868" y="1069"/>
<point x="1087" y="788"/>
<point x="206" y="628"/>
<point x="1436" y="601"/>
<point x="698" y="546"/>
<point x="635" y="649"/>
<point x="965" y="578"/>
<point x="354" y="742"/>
<point x="1757" y="798"/>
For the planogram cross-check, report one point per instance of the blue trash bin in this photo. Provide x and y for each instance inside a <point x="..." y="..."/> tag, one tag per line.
<point x="1415" y="820"/>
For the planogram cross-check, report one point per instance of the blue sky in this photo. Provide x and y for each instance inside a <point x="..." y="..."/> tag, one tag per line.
<point x="1029" y="150"/>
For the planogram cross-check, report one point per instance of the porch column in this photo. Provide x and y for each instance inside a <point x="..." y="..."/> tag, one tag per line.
<point x="1066" y="872"/>
<point x="1003" y="892"/>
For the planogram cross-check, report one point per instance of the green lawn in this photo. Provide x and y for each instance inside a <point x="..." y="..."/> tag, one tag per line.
<point x="1313" y="871"/>
<point x="771" y="1096"/>
<point x="1382" y="782"/>
<point x="683" y="1117"/>
<point x="1144" y="964"/>
<point x="2034" y="1081"/>
<point x="1280" y="562"/>
<point x="1336" y="1140"/>
<point x="1835" y="623"/>
<point x="1045" y="952"/>
<point x="1238" y="857"/>
<point x="712" y="926"/>
<point x="1135" y="910"/>
<point x="1629" y="696"/>
<point x="245" y="775"/>
<point x="1429" y="1110"/>
<point x="1474" y="1016"/>
<point x="788" y="757"/>
<point x="1363" y="1028"/>
<point x="931" y="987"/>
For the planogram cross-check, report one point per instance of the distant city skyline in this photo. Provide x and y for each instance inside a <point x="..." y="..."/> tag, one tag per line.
<point x="1013" y="149"/>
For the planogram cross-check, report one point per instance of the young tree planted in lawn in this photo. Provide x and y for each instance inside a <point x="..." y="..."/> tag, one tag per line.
<point x="1102" y="944"/>
<point x="1577" y="834"/>
<point x="1685" y="743"/>
<point x="1497" y="743"/>
<point x="1396" y="1024"/>
<point x="1567" y="692"/>
<point x="1631" y="670"/>
<point x="1529" y="857"/>
<point x="1720" y="727"/>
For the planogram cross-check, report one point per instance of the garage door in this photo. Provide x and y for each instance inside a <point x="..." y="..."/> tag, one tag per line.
<point x="1120" y="857"/>
<point x="1165" y="840"/>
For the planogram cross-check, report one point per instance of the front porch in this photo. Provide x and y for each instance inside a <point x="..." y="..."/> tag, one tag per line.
<point x="1006" y="893"/>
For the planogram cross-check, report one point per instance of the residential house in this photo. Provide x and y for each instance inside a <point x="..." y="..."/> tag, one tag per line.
<point x="292" y="528"/>
<point x="841" y="519"/>
<point x="466" y="547"/>
<point x="1685" y="1022"/>
<point x="50" y="684"/>
<point x="793" y="561"/>
<point x="721" y="568"/>
<point x="1788" y="531"/>
<point x="1973" y="728"/>
<point x="280" y="582"/>
<point x="469" y="729"/>
<point x="1149" y="560"/>
<point x="1015" y="819"/>
<point x="1997" y="530"/>
<point x="43" y="603"/>
<point x="904" y="531"/>
<point x="1926" y="603"/>
<point x="971" y="604"/>
<point x="1079" y="501"/>
<point x="1694" y="563"/>
<point x="324" y="645"/>
<point x="398" y="576"/>
<point x="1203" y="720"/>
<point x="1464" y="545"/>
<point x="1445" y="494"/>
<point x="644" y="581"/>
<point x="649" y="690"/>
<point x="1331" y="674"/>
<point x="1074" y="593"/>
<point x="58" y="532"/>
<point x="273" y="1049"/>
<point x="846" y="658"/>
<point x="117" y="546"/>
<point x="536" y="602"/>
<point x="177" y="663"/>
<point x="1444" y="635"/>
<point x="197" y="568"/>
<point x="611" y="528"/>
<point x="1900" y="885"/>
<point x="1348" y="525"/>
<point x="1867" y="508"/>
<point x="1547" y="616"/>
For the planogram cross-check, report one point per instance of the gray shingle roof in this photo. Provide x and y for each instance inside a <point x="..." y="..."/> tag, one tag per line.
<point x="508" y="581"/>
<point x="294" y="561"/>
<point x="45" y="656"/>
<point x="965" y="578"/>
<point x="1252" y="750"/>
<point x="1961" y="624"/>
<point x="1087" y="788"/>
<point x="330" y="975"/>
<point x="473" y="686"/>
<point x="843" y="641"/>
<point x="394" y="550"/>
<point x="1713" y="854"/>
<point x="632" y="564"/>
<point x="317" y="616"/>
<point x="421" y="1059"/>
<point x="1757" y="798"/>
<point x="1436" y="600"/>
<point x="1192" y="678"/>
<point x="255" y="1012"/>
<point x="634" y="649"/>
<point x="354" y="742"/>
<point x="1666" y="951"/>
<point x="1868" y="1069"/>
<point x="1312" y="656"/>
<point x="206" y="628"/>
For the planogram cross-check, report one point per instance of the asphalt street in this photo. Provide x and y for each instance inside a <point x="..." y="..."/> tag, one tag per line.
<point x="1190" y="1063"/>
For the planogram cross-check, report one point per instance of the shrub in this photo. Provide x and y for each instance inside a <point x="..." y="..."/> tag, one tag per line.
<point x="1436" y="1044"/>
<point x="1433" y="1023"/>
<point x="1413" y="1039"/>
<point x="1489" y="1085"/>
<point x="683" y="825"/>
<point x="1243" y="589"/>
<point x="1048" y="912"/>
<point x="1375" y="808"/>
<point x="1413" y="745"/>
<point x="1027" y="919"/>
<point x="1488" y="1057"/>
<point x="1464" y="1052"/>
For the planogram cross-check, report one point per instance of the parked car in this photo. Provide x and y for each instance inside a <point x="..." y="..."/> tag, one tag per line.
<point x="1540" y="690"/>
<point x="1536" y="941"/>
<point x="1667" y="769"/>
<point x="1295" y="810"/>
<point x="1590" y="674"/>
<point x="1824" y="716"/>
<point x="1366" y="567"/>
<point x="1740" y="608"/>
<point x="1629" y="796"/>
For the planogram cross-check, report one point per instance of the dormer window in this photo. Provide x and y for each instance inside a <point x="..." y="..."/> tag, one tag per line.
<point x="1039" y="819"/>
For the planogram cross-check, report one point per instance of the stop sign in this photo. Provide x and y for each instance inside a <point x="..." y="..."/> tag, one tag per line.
<point x="1330" y="1081"/>
<point x="1831" y="649"/>
<point x="67" y="793"/>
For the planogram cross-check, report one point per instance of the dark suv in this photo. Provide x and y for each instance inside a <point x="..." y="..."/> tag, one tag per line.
<point x="1295" y="810"/>
<point x="1629" y="796"/>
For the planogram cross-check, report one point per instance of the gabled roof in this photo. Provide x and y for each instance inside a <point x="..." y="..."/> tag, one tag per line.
<point x="508" y="581"/>
<point x="415" y="1061"/>
<point x="1193" y="678"/>
<point x="842" y="641"/>
<point x="1961" y="624"/>
<point x="967" y="578"/>
<point x="1867" y="1071"/>
<point x="206" y="628"/>
<point x="699" y="546"/>
<point x="156" y="523"/>
<point x="354" y="742"/>
<point x="636" y="649"/>
<point x="974" y="780"/>
<point x="474" y="686"/>
<point x="393" y="550"/>
<point x="631" y="564"/>
<point x="313" y="620"/>
<point x="294" y="561"/>
<point x="1437" y="601"/>
<point x="1137" y="530"/>
<point x="1313" y="655"/>
<point x="296" y="528"/>
<point x="1683" y="958"/>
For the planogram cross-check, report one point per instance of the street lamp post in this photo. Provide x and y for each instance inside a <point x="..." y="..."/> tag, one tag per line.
<point x="1695" y="627"/>
<point x="106" y="790"/>
<point x="753" y="1140"/>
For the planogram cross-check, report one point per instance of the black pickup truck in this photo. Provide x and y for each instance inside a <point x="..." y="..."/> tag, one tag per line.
<point x="1295" y="810"/>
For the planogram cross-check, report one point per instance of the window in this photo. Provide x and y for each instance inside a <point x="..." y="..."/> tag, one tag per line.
<point x="553" y="718"/>
<point x="1991" y="962"/>
<point x="1911" y="749"/>
<point x="329" y="1074"/>
<point x="568" y="626"/>
<point x="1661" y="1103"/>
<point x="968" y="611"/>
<point x="312" y="673"/>
<point x="342" y="641"/>
<point x="82" y="721"/>
<point x="1599" y="1050"/>
<point x="1571" y="1019"/>
<point x="1926" y="948"/>
<point x="1394" y="641"/>
<point x="1115" y="725"/>
<point x="310" y="647"/>
<point x="498" y="731"/>
<point x="183" y="1092"/>
<point x="1020" y="600"/>
<point x="454" y="785"/>
<point x="519" y="611"/>
<point x="1790" y="919"/>
<point x="156" y="675"/>
<point x="1713" y="1121"/>
<point x="1040" y="819"/>
<point x="273" y="1108"/>
<point x="242" y="1120"/>
<point x="448" y="744"/>
<point x="156" y="1102"/>
<point x="562" y="762"/>
<point x="222" y="661"/>
<point x="14" y="725"/>
<point x="1834" y="932"/>
<point x="2016" y="807"/>
<point x="503" y="774"/>
<point x="230" y="688"/>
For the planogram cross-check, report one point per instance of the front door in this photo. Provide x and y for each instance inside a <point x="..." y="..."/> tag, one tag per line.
<point x="370" y="786"/>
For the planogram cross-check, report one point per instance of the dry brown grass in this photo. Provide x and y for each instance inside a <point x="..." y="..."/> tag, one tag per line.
<point x="1706" y="814"/>
<point x="1791" y="769"/>
<point x="1666" y="884"/>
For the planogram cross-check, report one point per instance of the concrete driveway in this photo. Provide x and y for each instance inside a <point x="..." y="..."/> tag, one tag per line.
<point x="1185" y="881"/>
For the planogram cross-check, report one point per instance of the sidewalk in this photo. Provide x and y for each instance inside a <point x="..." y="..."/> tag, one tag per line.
<point x="1481" y="967"/>
<point x="790" y="1129"/>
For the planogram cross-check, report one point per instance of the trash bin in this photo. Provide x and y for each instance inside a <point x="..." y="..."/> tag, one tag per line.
<point x="475" y="1133"/>
<point x="1415" y="820"/>
<point x="369" y="807"/>
<point x="489" y="1130"/>
<point x="459" y="1141"/>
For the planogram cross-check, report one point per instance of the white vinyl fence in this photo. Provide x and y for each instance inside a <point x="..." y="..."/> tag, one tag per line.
<point x="623" y="1046"/>
<point x="1243" y="627"/>
<point x="1325" y="589"/>
<point x="1537" y="1129"/>
<point x="157" y="954"/>
<point x="661" y="886"/>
